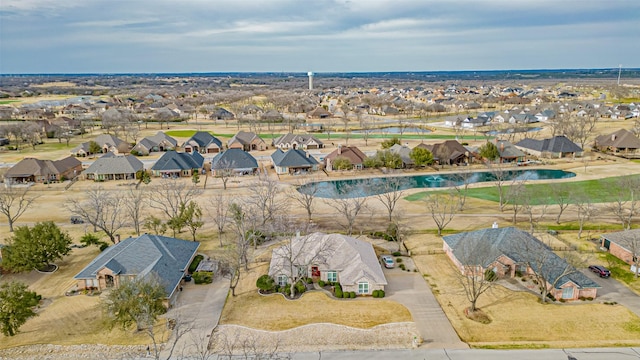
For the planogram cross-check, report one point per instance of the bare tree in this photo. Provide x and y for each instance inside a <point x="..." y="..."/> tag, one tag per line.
<point x="389" y="191"/>
<point x="265" y="200"/>
<point x="307" y="196"/>
<point x="296" y="254"/>
<point x="170" y="194"/>
<point x="517" y="196"/>
<point x="579" y="129"/>
<point x="102" y="209"/>
<point x="442" y="207"/>
<point x="348" y="208"/>
<point x="224" y="170"/>
<point x="14" y="201"/>
<point x="625" y="200"/>
<point x="220" y="210"/>
<point x="535" y="212"/>
<point x="561" y="193"/>
<point x="500" y="174"/>
<point x="473" y="278"/>
<point x="461" y="180"/>
<point x="586" y="210"/>
<point x="134" y="205"/>
<point x="238" y="345"/>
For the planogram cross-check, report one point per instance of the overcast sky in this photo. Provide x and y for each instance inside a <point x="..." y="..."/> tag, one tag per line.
<point x="142" y="36"/>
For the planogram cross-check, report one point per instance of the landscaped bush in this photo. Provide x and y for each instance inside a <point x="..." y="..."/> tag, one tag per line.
<point x="309" y="281"/>
<point x="202" y="277"/>
<point x="321" y="283"/>
<point x="338" y="292"/>
<point x="195" y="263"/>
<point x="398" y="260"/>
<point x="352" y="294"/>
<point x="265" y="283"/>
<point x="375" y="293"/>
<point x="401" y="266"/>
<point x="300" y="287"/>
<point x="397" y="253"/>
<point x="381" y="294"/>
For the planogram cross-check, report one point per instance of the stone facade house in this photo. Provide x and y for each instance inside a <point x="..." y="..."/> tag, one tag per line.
<point x="177" y="164"/>
<point x="297" y="141"/>
<point x="114" y="167"/>
<point x="619" y="142"/>
<point x="202" y="142"/>
<point x="247" y="141"/>
<point x="156" y="143"/>
<point x="331" y="258"/>
<point x="43" y="171"/>
<point x="555" y="147"/>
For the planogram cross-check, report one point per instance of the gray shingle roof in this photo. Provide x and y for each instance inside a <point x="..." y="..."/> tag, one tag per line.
<point x="483" y="247"/>
<point x="234" y="159"/>
<point x="114" y="164"/>
<point x="621" y="139"/>
<point x="289" y="139"/>
<point x="172" y="160"/>
<point x="293" y="158"/>
<point x="623" y="238"/>
<point x="203" y="139"/>
<point x="556" y="144"/>
<point x="167" y="257"/>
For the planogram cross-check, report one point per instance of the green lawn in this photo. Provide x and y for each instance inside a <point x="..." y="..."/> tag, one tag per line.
<point x="4" y="102"/>
<point x="598" y="191"/>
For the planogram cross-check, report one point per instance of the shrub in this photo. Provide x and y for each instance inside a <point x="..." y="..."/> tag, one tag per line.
<point x="402" y="266"/>
<point x="381" y="294"/>
<point x="489" y="275"/>
<point x="321" y="283"/>
<point x="195" y="263"/>
<point x="352" y="294"/>
<point x="300" y="287"/>
<point x="309" y="281"/>
<point x="397" y="253"/>
<point x="203" y="277"/>
<point x="398" y="260"/>
<point x="265" y="283"/>
<point x="338" y="292"/>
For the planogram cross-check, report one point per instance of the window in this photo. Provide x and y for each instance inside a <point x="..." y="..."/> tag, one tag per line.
<point x="363" y="288"/>
<point x="282" y="280"/>
<point x="567" y="293"/>
<point x="302" y="271"/>
<point x="332" y="276"/>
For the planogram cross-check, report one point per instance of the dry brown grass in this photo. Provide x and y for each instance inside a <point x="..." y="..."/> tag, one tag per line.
<point x="274" y="313"/>
<point x="519" y="318"/>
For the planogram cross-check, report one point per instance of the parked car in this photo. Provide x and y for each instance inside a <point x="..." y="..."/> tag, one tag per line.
<point x="77" y="220"/>
<point x="600" y="270"/>
<point x="387" y="261"/>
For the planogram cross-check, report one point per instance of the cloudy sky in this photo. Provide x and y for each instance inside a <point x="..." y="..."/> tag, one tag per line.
<point x="142" y="36"/>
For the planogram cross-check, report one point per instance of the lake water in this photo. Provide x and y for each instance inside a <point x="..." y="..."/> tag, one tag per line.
<point x="394" y="130"/>
<point x="340" y="189"/>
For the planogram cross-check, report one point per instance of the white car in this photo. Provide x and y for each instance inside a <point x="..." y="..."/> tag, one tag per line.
<point x="387" y="261"/>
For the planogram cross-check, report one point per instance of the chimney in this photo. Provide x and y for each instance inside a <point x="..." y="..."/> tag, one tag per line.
<point x="117" y="238"/>
<point x="339" y="149"/>
<point x="495" y="225"/>
<point x="307" y="153"/>
<point x="502" y="146"/>
<point x="613" y="137"/>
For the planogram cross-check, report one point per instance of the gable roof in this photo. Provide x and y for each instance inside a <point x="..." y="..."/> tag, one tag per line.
<point x="160" y="137"/>
<point x="354" y="259"/>
<point x="404" y="152"/>
<point x="355" y="155"/>
<point x="203" y="139"/>
<point x="623" y="238"/>
<point x="244" y="137"/>
<point x="507" y="150"/>
<point x="288" y="139"/>
<point x="35" y="167"/>
<point x="173" y="160"/>
<point x="556" y="144"/>
<point x="115" y="164"/>
<point x="484" y="247"/>
<point x="109" y="140"/>
<point x="621" y="139"/>
<point x="234" y="159"/>
<point x="167" y="257"/>
<point x="293" y="158"/>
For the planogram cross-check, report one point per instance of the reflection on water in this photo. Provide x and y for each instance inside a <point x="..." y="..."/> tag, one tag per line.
<point x="340" y="189"/>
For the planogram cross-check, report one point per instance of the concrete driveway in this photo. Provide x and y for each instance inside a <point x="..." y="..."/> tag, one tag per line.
<point x="412" y="291"/>
<point x="613" y="290"/>
<point x="197" y="312"/>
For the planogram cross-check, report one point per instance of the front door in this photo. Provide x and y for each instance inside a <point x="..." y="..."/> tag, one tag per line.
<point x="315" y="272"/>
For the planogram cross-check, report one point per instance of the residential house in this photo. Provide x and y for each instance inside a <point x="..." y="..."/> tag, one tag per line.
<point x="221" y="114"/>
<point x="355" y="156"/>
<point x="330" y="258"/>
<point x="202" y="142"/>
<point x="173" y="164"/>
<point x="247" y="141"/>
<point x="546" y="115"/>
<point x="619" y="142"/>
<point x="293" y="161"/>
<point x="297" y="141"/>
<point x="507" y="251"/>
<point x="108" y="143"/>
<point x="319" y="113"/>
<point x="625" y="245"/>
<point x="555" y="147"/>
<point x="43" y="171"/>
<point x="114" y="167"/>
<point x="138" y="258"/>
<point x="523" y="119"/>
<point x="471" y="123"/>
<point x="405" y="154"/>
<point x="155" y="143"/>
<point x="508" y="152"/>
<point x="449" y="152"/>
<point x="236" y="161"/>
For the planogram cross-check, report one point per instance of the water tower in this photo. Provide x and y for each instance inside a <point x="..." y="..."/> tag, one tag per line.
<point x="310" y="75"/>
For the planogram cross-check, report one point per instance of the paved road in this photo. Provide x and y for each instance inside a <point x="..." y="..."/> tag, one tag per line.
<point x="613" y="290"/>
<point x="478" y="354"/>
<point x="199" y="307"/>
<point x="410" y="290"/>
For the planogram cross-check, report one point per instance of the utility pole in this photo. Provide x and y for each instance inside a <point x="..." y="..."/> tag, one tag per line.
<point x="619" y="72"/>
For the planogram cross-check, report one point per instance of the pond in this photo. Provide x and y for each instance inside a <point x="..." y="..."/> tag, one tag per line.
<point x="341" y="189"/>
<point x="394" y="130"/>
